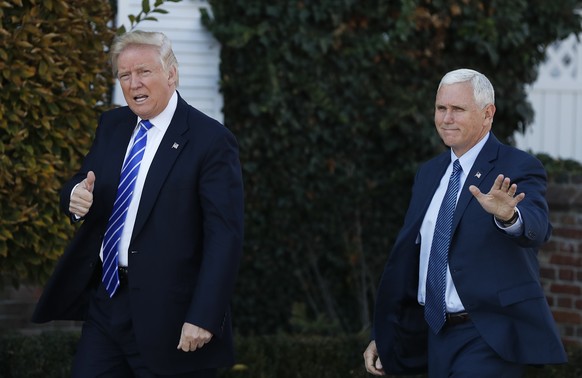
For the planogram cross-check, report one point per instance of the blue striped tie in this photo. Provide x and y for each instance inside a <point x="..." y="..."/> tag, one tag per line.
<point x="434" y="305"/>
<point x="127" y="180"/>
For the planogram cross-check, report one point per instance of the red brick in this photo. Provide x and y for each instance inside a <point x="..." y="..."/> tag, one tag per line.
<point x="565" y="303"/>
<point x="570" y="342"/>
<point x="568" y="331"/>
<point x="562" y="259"/>
<point x="565" y="289"/>
<point x="548" y="273"/>
<point x="569" y="246"/>
<point x="566" y="274"/>
<point x="568" y="317"/>
<point x="570" y="233"/>
<point x="550" y="246"/>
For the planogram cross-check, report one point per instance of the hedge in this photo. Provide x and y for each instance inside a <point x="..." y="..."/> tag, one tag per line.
<point x="332" y="104"/>
<point x="54" y="82"/>
<point x="49" y="355"/>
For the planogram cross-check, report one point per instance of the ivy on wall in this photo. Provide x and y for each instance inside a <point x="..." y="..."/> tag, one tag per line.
<point x="332" y="103"/>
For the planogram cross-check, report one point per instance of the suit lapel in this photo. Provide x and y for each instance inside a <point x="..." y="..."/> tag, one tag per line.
<point x="430" y="181"/>
<point x="171" y="146"/>
<point x="481" y="169"/>
<point x="117" y="146"/>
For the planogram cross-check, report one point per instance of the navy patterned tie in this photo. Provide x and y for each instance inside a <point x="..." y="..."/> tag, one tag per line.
<point x="434" y="304"/>
<point x="127" y="180"/>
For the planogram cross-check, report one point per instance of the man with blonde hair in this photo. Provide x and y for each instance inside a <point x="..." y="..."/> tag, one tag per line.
<point x="159" y="199"/>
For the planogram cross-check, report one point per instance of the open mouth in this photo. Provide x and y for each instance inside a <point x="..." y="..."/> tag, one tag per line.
<point x="140" y="98"/>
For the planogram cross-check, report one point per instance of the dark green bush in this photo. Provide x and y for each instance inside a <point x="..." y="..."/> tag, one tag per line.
<point x="49" y="355"/>
<point x="332" y="103"/>
<point x="54" y="81"/>
<point x="562" y="170"/>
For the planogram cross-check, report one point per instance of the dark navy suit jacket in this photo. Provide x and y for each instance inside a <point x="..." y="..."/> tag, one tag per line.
<point x="186" y="245"/>
<point x="496" y="275"/>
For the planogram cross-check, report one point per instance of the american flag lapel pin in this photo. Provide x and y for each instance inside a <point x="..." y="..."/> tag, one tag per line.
<point x="175" y="146"/>
<point x="478" y="174"/>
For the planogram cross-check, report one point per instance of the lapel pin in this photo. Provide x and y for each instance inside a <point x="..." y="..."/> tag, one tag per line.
<point x="175" y="146"/>
<point x="478" y="174"/>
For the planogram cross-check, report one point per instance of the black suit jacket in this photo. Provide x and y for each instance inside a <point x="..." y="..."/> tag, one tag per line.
<point x="186" y="244"/>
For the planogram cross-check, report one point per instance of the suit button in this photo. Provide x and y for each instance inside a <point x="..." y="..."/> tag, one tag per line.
<point x="133" y="252"/>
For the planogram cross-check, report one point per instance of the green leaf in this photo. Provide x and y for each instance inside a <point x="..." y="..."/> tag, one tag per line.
<point x="145" y="5"/>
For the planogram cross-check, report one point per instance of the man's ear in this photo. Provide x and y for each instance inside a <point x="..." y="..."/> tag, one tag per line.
<point x="172" y="75"/>
<point x="489" y="113"/>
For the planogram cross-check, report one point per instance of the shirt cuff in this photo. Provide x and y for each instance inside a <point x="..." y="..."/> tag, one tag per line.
<point x="515" y="229"/>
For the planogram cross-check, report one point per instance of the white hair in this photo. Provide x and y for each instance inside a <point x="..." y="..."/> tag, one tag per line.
<point x="482" y="88"/>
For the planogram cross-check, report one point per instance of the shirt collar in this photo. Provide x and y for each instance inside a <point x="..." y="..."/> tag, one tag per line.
<point x="469" y="157"/>
<point x="162" y="120"/>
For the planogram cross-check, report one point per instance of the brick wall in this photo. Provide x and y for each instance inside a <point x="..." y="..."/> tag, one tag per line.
<point x="561" y="258"/>
<point x="560" y="269"/>
<point x="16" y="307"/>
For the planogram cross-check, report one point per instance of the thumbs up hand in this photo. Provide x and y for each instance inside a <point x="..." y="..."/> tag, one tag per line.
<point x="82" y="196"/>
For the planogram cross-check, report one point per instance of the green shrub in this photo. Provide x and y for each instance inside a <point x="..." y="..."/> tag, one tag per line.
<point x="332" y="103"/>
<point x="54" y="81"/>
<point x="285" y="356"/>
<point x="49" y="355"/>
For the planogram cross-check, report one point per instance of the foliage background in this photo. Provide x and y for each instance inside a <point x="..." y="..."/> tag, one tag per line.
<point x="50" y="354"/>
<point x="54" y="82"/>
<point x="332" y="103"/>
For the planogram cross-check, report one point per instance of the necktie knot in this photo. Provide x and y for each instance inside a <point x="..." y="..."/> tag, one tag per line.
<point x="457" y="169"/>
<point x="146" y="124"/>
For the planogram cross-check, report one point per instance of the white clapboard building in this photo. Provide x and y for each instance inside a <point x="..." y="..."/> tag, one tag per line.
<point x="556" y="96"/>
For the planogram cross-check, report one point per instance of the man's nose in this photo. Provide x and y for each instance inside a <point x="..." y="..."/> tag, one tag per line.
<point x="135" y="81"/>
<point x="448" y="117"/>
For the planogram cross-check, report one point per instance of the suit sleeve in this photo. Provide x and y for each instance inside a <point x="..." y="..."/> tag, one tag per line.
<point x="534" y="208"/>
<point x="65" y="193"/>
<point x="221" y="198"/>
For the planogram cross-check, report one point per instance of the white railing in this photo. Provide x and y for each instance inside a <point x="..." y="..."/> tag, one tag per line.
<point x="557" y="101"/>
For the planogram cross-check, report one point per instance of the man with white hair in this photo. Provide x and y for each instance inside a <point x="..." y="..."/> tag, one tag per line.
<point x="460" y="295"/>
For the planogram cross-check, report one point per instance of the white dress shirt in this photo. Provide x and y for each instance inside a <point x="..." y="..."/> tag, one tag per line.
<point x="154" y="137"/>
